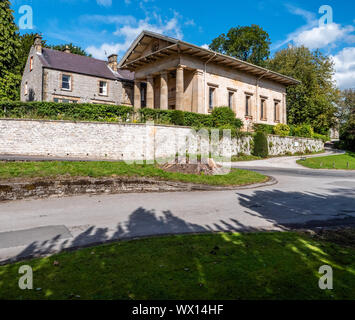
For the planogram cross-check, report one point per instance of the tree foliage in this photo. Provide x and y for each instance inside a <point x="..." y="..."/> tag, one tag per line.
<point x="261" y="148"/>
<point x="73" y="49"/>
<point x="347" y="119"/>
<point x="314" y="100"/>
<point x="9" y="41"/>
<point x="248" y="43"/>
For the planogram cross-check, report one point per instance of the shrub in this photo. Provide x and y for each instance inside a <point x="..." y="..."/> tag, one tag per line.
<point x="178" y="118"/>
<point x="322" y="137"/>
<point x="261" y="127"/>
<point x="282" y="130"/>
<point x="260" y="145"/>
<point x="347" y="135"/>
<point x="223" y="116"/>
<point x="304" y="130"/>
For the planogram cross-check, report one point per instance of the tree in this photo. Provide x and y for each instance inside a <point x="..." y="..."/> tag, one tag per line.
<point x="251" y="44"/>
<point x="9" y="41"/>
<point x="73" y="49"/>
<point x="314" y="100"/>
<point x="347" y="119"/>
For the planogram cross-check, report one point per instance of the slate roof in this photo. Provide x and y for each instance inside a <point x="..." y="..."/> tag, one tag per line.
<point x="69" y="62"/>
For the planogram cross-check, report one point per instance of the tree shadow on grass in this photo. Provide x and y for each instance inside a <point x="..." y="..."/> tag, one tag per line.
<point x="210" y="266"/>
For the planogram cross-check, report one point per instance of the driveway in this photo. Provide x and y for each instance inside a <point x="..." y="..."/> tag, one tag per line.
<point x="302" y="198"/>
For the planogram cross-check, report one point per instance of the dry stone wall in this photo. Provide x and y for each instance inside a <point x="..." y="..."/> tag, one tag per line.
<point x="113" y="141"/>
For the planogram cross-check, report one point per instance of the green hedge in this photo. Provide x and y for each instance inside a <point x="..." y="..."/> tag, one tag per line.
<point x="65" y="111"/>
<point x="113" y="113"/>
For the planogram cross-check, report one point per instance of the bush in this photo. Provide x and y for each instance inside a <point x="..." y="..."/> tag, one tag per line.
<point x="260" y="145"/>
<point x="223" y="116"/>
<point x="282" y="130"/>
<point x="303" y="130"/>
<point x="178" y="118"/>
<point x="261" y="127"/>
<point x="322" y="137"/>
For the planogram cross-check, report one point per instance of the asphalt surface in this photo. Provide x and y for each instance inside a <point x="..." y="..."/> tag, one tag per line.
<point x="301" y="198"/>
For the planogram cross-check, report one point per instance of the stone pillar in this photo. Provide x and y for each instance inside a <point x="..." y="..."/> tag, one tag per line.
<point x="150" y="92"/>
<point x="284" y="109"/>
<point x="137" y="94"/>
<point x="180" y="88"/>
<point x="164" y="90"/>
<point x="198" y="92"/>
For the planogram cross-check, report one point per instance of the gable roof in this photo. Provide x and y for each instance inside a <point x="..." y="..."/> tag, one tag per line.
<point x="131" y="60"/>
<point x="59" y="60"/>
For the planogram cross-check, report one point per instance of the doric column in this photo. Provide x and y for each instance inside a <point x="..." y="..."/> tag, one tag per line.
<point x="164" y="90"/>
<point x="150" y="92"/>
<point x="180" y="88"/>
<point x="198" y="92"/>
<point x="137" y="94"/>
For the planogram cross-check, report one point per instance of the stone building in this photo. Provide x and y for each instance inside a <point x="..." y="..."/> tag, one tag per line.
<point x="58" y="76"/>
<point x="173" y="74"/>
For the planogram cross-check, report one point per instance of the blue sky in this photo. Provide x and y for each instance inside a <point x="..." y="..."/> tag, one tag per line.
<point x="102" y="27"/>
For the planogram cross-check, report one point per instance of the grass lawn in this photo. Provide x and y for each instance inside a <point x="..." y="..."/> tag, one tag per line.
<point x="245" y="157"/>
<point x="343" y="161"/>
<point x="209" y="266"/>
<point x="10" y="170"/>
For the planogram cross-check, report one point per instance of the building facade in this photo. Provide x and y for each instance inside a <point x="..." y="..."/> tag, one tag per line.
<point x="58" y="76"/>
<point x="173" y="74"/>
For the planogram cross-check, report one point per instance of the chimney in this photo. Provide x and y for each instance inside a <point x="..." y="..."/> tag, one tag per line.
<point x="38" y="43"/>
<point x="67" y="49"/>
<point x="112" y="62"/>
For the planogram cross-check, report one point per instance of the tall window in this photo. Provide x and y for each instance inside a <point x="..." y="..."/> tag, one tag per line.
<point x="103" y="88"/>
<point x="26" y="88"/>
<point x="247" y="106"/>
<point x="211" y="98"/>
<point x="276" y="111"/>
<point x="66" y="82"/>
<point x="263" y="109"/>
<point x="31" y="63"/>
<point x="230" y="99"/>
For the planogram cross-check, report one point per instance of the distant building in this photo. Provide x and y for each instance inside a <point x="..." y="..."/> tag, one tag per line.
<point x="57" y="76"/>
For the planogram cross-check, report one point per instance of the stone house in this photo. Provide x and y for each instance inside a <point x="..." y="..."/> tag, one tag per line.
<point x="173" y="74"/>
<point x="58" y="76"/>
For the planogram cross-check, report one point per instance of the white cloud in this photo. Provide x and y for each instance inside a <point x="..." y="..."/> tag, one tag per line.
<point x="205" y="46"/>
<point x="315" y="36"/>
<point x="105" y="3"/>
<point x="323" y="36"/>
<point x="128" y="28"/>
<point x="345" y="67"/>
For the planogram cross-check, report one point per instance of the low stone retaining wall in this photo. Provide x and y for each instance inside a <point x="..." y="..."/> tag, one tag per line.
<point x="43" y="188"/>
<point x="115" y="141"/>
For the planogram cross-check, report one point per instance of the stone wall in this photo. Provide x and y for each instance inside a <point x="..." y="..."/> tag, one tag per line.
<point x="113" y="141"/>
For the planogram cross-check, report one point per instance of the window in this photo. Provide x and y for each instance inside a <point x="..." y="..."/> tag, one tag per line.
<point x="230" y="99"/>
<point x="66" y="82"/>
<point x="64" y="100"/>
<point x="247" y="106"/>
<point x="26" y="89"/>
<point x="31" y="63"/>
<point x="210" y="100"/>
<point x="103" y="88"/>
<point x="263" y="109"/>
<point x="276" y="111"/>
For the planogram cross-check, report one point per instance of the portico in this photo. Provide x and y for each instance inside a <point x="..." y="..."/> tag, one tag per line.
<point x="172" y="74"/>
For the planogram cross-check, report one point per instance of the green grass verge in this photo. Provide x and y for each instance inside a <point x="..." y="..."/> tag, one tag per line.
<point x="10" y="170"/>
<point x="343" y="161"/>
<point x="210" y="266"/>
<point x="245" y="157"/>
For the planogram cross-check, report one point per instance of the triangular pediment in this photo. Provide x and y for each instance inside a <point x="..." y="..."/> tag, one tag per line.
<point x="146" y="43"/>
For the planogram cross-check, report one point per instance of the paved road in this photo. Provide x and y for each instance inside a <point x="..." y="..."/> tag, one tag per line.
<point x="302" y="197"/>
